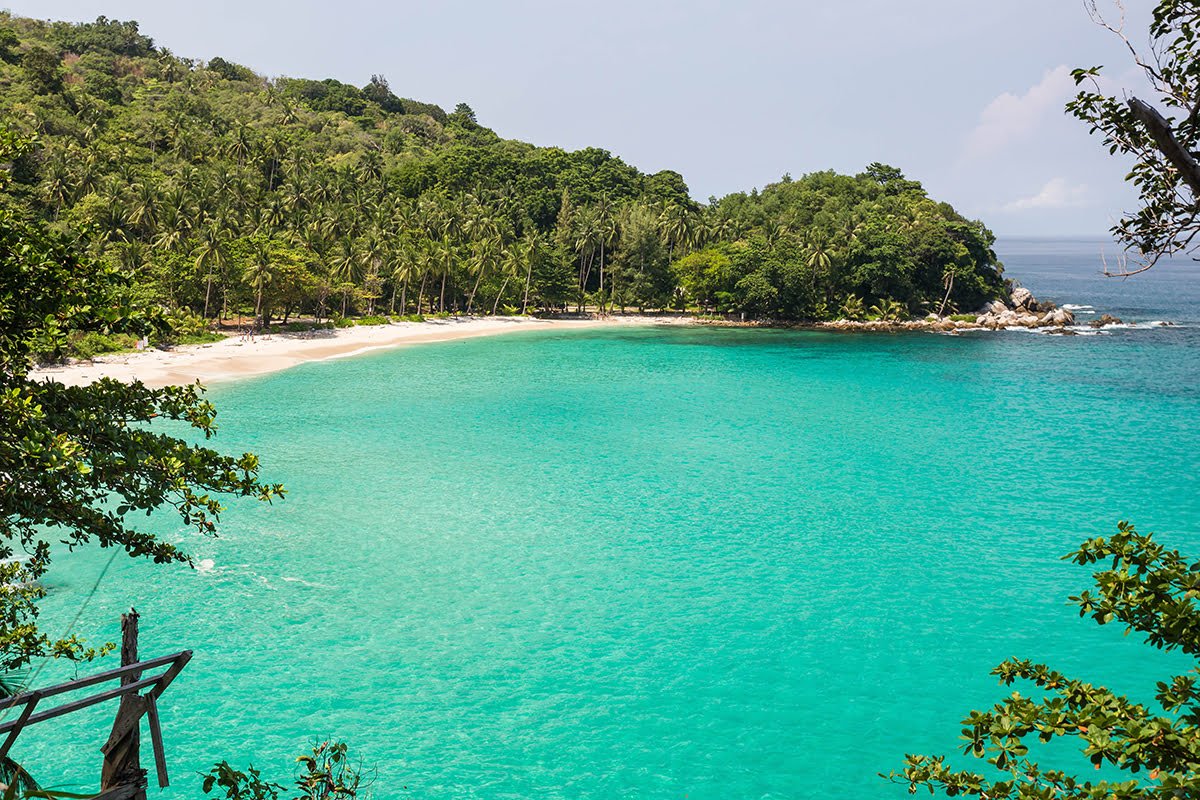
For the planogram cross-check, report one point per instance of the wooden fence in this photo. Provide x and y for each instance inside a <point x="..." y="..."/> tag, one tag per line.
<point x="122" y="777"/>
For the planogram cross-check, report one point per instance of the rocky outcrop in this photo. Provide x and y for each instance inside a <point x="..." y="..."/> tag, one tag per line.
<point x="994" y="307"/>
<point x="1025" y="312"/>
<point x="1022" y="299"/>
<point x="1105" y="319"/>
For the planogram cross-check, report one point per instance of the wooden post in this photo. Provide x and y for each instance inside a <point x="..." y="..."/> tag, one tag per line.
<point x="121" y="764"/>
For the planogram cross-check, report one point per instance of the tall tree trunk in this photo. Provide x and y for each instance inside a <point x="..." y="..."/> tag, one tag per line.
<point x="404" y="296"/>
<point x="421" y="293"/>
<point x="528" y="277"/>
<point x="471" y="301"/>
<point x="207" y="290"/>
<point x="949" y="288"/>
<point x="588" y="273"/>
<point x="503" y="286"/>
<point x="442" y="296"/>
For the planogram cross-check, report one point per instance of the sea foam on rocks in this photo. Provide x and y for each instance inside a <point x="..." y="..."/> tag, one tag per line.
<point x="1022" y="311"/>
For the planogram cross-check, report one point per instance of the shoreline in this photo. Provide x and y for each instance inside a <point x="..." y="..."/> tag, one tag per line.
<point x="234" y="357"/>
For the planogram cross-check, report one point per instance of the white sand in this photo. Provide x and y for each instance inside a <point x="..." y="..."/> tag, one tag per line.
<point x="235" y="357"/>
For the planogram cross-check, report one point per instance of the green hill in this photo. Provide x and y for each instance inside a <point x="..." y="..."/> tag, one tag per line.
<point x="223" y="192"/>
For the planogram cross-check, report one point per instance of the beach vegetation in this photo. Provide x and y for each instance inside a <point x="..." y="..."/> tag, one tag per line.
<point x="1161" y="133"/>
<point x="1148" y="589"/>
<point x="326" y="774"/>
<point x="79" y="464"/>
<point x="232" y="195"/>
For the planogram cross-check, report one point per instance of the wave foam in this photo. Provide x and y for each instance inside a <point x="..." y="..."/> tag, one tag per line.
<point x="303" y="582"/>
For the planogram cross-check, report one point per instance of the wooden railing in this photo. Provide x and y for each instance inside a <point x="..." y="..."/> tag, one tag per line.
<point x="122" y="776"/>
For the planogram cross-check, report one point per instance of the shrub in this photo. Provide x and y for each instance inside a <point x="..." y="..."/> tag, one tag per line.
<point x="202" y="337"/>
<point x="90" y="345"/>
<point x="374" y="320"/>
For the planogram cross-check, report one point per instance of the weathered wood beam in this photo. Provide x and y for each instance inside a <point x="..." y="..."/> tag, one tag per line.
<point x="19" y="723"/>
<point x="122" y="793"/>
<point x="68" y="708"/>
<point x="122" y="763"/>
<point x="92" y="680"/>
<point x="160" y="755"/>
<point x="1164" y="139"/>
<point x="125" y="722"/>
<point x="181" y="661"/>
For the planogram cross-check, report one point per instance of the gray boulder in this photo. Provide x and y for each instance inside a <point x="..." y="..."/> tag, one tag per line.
<point x="1022" y="297"/>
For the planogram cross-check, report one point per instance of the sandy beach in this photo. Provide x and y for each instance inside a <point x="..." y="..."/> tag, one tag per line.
<point x="237" y="357"/>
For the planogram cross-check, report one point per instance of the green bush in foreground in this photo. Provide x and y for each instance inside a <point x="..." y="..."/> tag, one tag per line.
<point x="1147" y="588"/>
<point x="325" y="774"/>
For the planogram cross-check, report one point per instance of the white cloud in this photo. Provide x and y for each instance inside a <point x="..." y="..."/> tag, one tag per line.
<point x="1009" y="118"/>
<point x="1057" y="193"/>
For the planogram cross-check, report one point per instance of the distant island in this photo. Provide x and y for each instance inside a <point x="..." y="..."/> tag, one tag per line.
<point x="228" y="198"/>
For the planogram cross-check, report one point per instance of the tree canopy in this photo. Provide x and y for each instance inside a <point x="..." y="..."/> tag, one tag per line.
<point x="383" y="203"/>
<point x="1147" y="588"/>
<point x="1165" y="169"/>
<point x="77" y="463"/>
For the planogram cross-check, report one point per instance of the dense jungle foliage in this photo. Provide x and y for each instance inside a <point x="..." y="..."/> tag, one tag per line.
<point x="225" y="193"/>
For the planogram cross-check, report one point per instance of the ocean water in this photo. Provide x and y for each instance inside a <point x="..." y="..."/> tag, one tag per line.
<point x="661" y="563"/>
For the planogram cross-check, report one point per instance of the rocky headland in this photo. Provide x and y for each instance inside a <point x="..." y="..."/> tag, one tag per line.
<point x="1021" y="311"/>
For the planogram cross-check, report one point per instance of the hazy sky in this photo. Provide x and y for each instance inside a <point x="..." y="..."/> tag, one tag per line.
<point x="965" y="96"/>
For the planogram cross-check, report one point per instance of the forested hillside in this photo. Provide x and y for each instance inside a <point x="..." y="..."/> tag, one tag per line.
<point x="223" y="192"/>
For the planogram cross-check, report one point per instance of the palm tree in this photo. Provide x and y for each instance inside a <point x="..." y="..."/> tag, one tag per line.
<point x="817" y="249"/>
<point x="852" y="307"/>
<point x="510" y="264"/>
<point x="213" y="251"/>
<point x="345" y="267"/>
<point x="532" y="250"/>
<point x="427" y="257"/>
<point x="948" y="282"/>
<point x="404" y="270"/>
<point x="888" y="310"/>
<point x="144" y="208"/>
<point x="242" y="143"/>
<point x="446" y="253"/>
<point x="674" y="224"/>
<point x="57" y="184"/>
<point x="587" y="236"/>
<point x="374" y="252"/>
<point x="260" y="275"/>
<point x="486" y="252"/>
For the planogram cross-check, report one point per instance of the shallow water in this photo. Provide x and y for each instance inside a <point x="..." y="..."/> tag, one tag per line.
<point x="662" y="563"/>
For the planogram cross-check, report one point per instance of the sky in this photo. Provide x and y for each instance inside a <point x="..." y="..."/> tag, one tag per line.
<point x="965" y="96"/>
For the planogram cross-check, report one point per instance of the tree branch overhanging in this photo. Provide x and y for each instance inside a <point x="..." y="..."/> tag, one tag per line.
<point x="1160" y="130"/>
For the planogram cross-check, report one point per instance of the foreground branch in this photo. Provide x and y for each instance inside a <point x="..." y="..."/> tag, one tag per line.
<point x="1160" y="130"/>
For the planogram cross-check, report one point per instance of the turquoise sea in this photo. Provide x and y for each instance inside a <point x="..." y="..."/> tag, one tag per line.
<point x="662" y="563"/>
